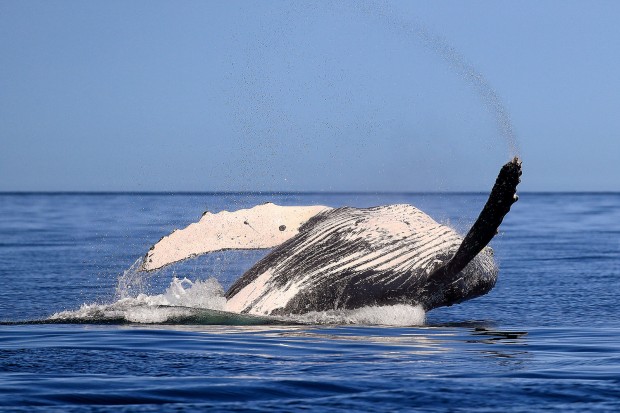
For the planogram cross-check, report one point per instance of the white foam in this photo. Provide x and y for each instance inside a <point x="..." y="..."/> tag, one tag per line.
<point x="391" y="315"/>
<point x="207" y="294"/>
<point x="180" y="299"/>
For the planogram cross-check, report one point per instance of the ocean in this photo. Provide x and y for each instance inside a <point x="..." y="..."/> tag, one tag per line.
<point x="80" y="331"/>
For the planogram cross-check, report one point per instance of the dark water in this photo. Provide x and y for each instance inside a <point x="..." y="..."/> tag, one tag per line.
<point x="547" y="337"/>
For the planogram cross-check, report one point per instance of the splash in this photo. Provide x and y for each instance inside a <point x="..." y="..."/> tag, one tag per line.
<point x="391" y="315"/>
<point x="132" y="281"/>
<point x="182" y="300"/>
<point x="203" y="302"/>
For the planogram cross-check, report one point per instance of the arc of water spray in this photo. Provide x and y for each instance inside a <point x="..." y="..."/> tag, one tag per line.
<point x="440" y="46"/>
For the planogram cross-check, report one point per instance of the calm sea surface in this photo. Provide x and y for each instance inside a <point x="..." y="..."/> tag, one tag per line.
<point x="546" y="338"/>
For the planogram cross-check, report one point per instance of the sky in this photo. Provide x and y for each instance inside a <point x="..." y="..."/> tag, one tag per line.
<point x="318" y="96"/>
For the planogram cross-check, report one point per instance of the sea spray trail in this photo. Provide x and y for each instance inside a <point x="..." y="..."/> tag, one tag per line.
<point x="132" y="281"/>
<point x="381" y="11"/>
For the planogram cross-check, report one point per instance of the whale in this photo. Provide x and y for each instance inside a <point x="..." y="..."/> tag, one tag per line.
<point x="324" y="258"/>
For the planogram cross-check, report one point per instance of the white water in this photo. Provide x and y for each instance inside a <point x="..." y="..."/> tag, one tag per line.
<point x="184" y="299"/>
<point x="391" y="315"/>
<point x="180" y="300"/>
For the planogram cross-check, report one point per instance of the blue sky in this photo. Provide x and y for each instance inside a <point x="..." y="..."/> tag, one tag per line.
<point x="200" y="96"/>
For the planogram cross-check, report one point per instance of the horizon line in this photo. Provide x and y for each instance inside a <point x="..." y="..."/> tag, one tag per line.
<point x="255" y="193"/>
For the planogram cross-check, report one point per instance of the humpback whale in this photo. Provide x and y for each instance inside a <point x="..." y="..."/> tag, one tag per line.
<point x="326" y="258"/>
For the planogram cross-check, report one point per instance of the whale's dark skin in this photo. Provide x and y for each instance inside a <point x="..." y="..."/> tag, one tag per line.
<point x="441" y="290"/>
<point x="324" y="267"/>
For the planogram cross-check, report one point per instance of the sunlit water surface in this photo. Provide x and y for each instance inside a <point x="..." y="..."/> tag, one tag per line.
<point x="547" y="336"/>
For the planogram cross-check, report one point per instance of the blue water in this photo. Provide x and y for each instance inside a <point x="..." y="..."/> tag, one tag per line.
<point x="546" y="338"/>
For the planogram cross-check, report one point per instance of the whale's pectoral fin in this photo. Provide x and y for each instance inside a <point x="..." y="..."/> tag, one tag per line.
<point x="262" y="227"/>
<point x="503" y="195"/>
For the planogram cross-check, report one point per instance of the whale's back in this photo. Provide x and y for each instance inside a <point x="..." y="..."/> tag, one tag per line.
<point x="350" y="258"/>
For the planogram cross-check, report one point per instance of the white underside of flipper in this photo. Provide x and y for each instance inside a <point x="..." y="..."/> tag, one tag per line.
<point x="261" y="227"/>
